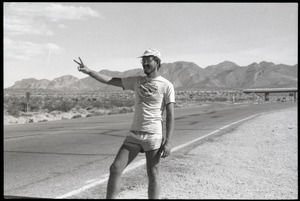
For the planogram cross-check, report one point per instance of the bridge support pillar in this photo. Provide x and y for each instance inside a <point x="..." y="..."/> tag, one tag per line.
<point x="253" y="97"/>
<point x="233" y="97"/>
<point x="267" y="96"/>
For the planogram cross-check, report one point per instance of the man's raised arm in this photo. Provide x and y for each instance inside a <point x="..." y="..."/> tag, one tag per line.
<point x="98" y="76"/>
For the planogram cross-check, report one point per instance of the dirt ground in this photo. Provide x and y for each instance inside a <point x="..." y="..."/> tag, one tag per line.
<point x="256" y="160"/>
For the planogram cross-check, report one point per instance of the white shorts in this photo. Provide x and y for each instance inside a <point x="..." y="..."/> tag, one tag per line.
<point x="143" y="141"/>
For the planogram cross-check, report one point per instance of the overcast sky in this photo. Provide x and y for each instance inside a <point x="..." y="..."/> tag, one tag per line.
<point x="42" y="39"/>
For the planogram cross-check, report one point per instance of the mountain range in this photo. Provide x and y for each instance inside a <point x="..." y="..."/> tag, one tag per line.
<point x="184" y="76"/>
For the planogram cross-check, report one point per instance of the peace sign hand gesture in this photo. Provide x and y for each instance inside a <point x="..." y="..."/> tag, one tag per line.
<point x="82" y="67"/>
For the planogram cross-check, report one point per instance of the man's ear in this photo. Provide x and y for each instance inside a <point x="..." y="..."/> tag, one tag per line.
<point x="157" y="65"/>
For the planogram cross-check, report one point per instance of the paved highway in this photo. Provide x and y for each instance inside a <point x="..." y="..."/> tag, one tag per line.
<point x="50" y="159"/>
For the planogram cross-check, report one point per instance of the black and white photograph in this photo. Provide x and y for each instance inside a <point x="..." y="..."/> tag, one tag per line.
<point x="150" y="100"/>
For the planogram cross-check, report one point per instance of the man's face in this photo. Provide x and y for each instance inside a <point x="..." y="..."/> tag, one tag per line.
<point x="149" y="64"/>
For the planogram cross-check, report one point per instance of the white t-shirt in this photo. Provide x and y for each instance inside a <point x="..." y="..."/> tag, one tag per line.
<point x="152" y="96"/>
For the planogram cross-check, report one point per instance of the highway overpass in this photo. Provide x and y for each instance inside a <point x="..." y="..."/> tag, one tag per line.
<point x="267" y="91"/>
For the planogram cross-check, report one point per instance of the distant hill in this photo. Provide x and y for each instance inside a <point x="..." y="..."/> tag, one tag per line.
<point x="31" y="83"/>
<point x="184" y="76"/>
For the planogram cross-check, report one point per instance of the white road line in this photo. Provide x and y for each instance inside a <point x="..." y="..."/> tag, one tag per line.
<point x="102" y="180"/>
<point x="143" y="161"/>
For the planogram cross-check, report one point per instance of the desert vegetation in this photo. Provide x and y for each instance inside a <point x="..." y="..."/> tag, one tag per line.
<point x="66" y="106"/>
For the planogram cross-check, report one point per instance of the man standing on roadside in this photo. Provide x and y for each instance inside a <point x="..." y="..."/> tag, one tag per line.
<point x="154" y="94"/>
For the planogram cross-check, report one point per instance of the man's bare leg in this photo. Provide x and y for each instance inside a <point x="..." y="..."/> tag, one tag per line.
<point x="153" y="158"/>
<point x="123" y="158"/>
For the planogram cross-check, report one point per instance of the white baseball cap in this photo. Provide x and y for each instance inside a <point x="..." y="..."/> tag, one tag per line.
<point x="151" y="52"/>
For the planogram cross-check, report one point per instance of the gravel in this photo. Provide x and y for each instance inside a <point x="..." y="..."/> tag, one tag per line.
<point x="257" y="159"/>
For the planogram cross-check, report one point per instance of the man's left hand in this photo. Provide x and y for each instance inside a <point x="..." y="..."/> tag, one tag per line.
<point x="165" y="150"/>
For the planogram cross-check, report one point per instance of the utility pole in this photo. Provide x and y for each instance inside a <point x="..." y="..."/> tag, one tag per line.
<point x="27" y="102"/>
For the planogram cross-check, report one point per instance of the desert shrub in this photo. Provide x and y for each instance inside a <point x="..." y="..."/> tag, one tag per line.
<point x="65" y="106"/>
<point x="200" y="99"/>
<point x="98" y="113"/>
<point x="97" y="104"/>
<point x="220" y="99"/>
<point x="35" y="103"/>
<point x="125" y="110"/>
<point x="88" y="104"/>
<point x="49" y="104"/>
<point x="89" y="115"/>
<point x="76" y="116"/>
<point x="89" y="108"/>
<point x="121" y="102"/>
<point x="77" y="107"/>
<point x="60" y="105"/>
<point x="13" y="111"/>
<point x="113" y="112"/>
<point x="15" y="105"/>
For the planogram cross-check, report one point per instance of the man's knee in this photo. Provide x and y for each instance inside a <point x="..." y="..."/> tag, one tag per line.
<point x="153" y="172"/>
<point x="115" y="168"/>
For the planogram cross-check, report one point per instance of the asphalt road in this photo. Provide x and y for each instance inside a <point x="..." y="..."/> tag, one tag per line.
<point x="50" y="159"/>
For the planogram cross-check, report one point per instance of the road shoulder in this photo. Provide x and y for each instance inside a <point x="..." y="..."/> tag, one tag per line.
<point x="255" y="160"/>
